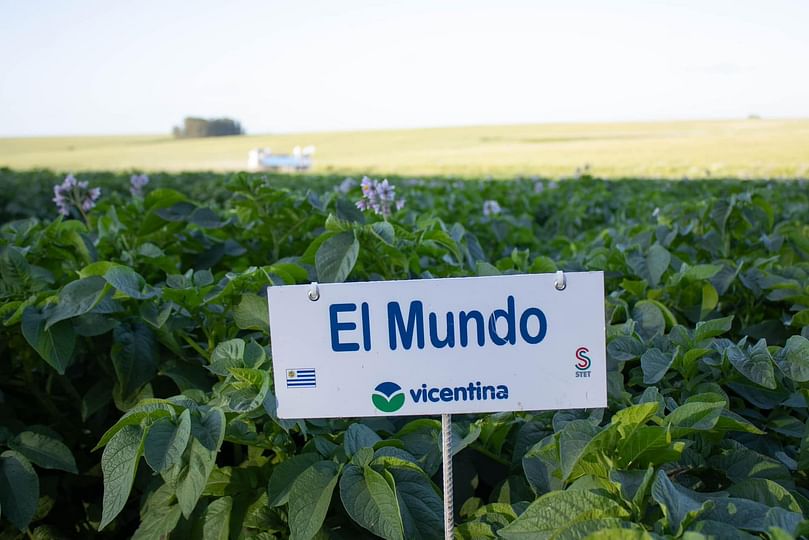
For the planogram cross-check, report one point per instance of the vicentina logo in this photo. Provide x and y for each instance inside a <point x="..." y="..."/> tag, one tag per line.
<point x="388" y="397"/>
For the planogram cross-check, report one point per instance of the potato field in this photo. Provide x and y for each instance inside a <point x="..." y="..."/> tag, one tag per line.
<point x="136" y="388"/>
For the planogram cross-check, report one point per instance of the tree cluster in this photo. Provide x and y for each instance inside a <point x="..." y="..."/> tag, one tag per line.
<point x="207" y="127"/>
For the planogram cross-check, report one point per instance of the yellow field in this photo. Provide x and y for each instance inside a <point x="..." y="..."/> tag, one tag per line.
<point x="741" y="148"/>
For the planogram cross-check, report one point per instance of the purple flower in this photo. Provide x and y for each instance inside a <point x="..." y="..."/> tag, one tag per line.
<point x="72" y="193"/>
<point x="137" y="183"/>
<point x="379" y="197"/>
<point x="367" y="185"/>
<point x="491" y="208"/>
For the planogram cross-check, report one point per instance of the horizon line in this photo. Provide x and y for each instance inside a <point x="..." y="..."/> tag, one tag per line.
<point x="751" y="117"/>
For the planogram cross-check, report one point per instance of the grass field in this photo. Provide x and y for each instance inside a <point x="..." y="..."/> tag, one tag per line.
<point x="739" y="148"/>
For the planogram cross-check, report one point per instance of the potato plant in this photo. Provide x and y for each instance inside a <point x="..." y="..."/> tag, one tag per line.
<point x="136" y="389"/>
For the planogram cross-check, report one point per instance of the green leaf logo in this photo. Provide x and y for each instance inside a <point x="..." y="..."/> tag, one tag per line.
<point x="388" y="397"/>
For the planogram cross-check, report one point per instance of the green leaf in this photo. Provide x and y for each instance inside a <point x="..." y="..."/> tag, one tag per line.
<point x="766" y="492"/>
<point x="793" y="359"/>
<point x="149" y="409"/>
<point x="335" y="258"/>
<point x="487" y="269"/>
<point x="166" y="441"/>
<point x="624" y="348"/>
<point x="284" y="475"/>
<point x="739" y="463"/>
<point x="421" y="507"/>
<point x="130" y="283"/>
<point x="680" y="505"/>
<point x="707" y="529"/>
<point x="657" y="261"/>
<point x="755" y="364"/>
<point x="55" y="345"/>
<point x="158" y="522"/>
<point x="573" y="441"/>
<point x="44" y="451"/>
<point x="543" y="265"/>
<point x="710" y="298"/>
<point x="730" y="421"/>
<point x="584" y="529"/>
<point x="309" y="499"/>
<point x="248" y="391"/>
<point x="634" y="485"/>
<point x="228" y="354"/>
<point x="712" y="328"/>
<point x="622" y="534"/>
<point x="233" y="480"/>
<point x="371" y="502"/>
<point x="751" y="515"/>
<point x="695" y="416"/>
<point x="359" y="436"/>
<point x="199" y="458"/>
<point x="205" y="218"/>
<point x="77" y="298"/>
<point x="649" y="318"/>
<point x="252" y="314"/>
<point x="19" y="489"/>
<point x="119" y="464"/>
<point x="700" y="271"/>
<point x="384" y="231"/>
<point x="134" y="357"/>
<point x="216" y="520"/>
<point x="647" y="445"/>
<point x="655" y="364"/>
<point x="346" y="210"/>
<point x="560" y="509"/>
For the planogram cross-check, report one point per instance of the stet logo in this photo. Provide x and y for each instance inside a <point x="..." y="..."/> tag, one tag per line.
<point x="388" y="397"/>
<point x="583" y="362"/>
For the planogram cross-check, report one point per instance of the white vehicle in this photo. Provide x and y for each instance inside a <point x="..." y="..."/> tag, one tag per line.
<point x="262" y="159"/>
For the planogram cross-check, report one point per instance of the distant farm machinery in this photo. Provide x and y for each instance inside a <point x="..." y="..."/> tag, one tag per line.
<point x="262" y="159"/>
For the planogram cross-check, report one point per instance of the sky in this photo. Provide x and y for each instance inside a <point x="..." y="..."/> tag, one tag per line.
<point x="102" y="67"/>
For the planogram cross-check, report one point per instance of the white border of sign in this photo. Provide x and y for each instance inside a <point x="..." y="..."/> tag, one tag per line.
<point x="337" y="346"/>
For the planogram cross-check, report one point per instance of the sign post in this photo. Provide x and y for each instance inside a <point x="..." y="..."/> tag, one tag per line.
<point x="446" y="456"/>
<point x="439" y="347"/>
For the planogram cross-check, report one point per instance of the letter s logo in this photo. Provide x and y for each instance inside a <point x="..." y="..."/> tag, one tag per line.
<point x="583" y="363"/>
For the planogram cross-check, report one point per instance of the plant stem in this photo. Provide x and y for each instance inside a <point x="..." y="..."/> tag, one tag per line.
<point x="194" y="345"/>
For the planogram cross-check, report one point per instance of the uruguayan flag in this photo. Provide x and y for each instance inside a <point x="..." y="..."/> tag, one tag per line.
<point x="301" y="378"/>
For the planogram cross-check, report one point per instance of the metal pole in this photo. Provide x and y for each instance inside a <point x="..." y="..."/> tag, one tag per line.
<point x="449" y="511"/>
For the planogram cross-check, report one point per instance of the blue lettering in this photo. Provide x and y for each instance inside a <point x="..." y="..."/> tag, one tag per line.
<point x="474" y="391"/>
<point x="488" y="390"/>
<point x="336" y="327"/>
<point x="508" y="314"/>
<point x="415" y="323"/>
<point x="463" y="321"/>
<point x="366" y="327"/>
<point x="543" y="325"/>
<point x="449" y="340"/>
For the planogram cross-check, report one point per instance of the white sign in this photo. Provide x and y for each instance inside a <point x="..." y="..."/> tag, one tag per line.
<point x="438" y="346"/>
